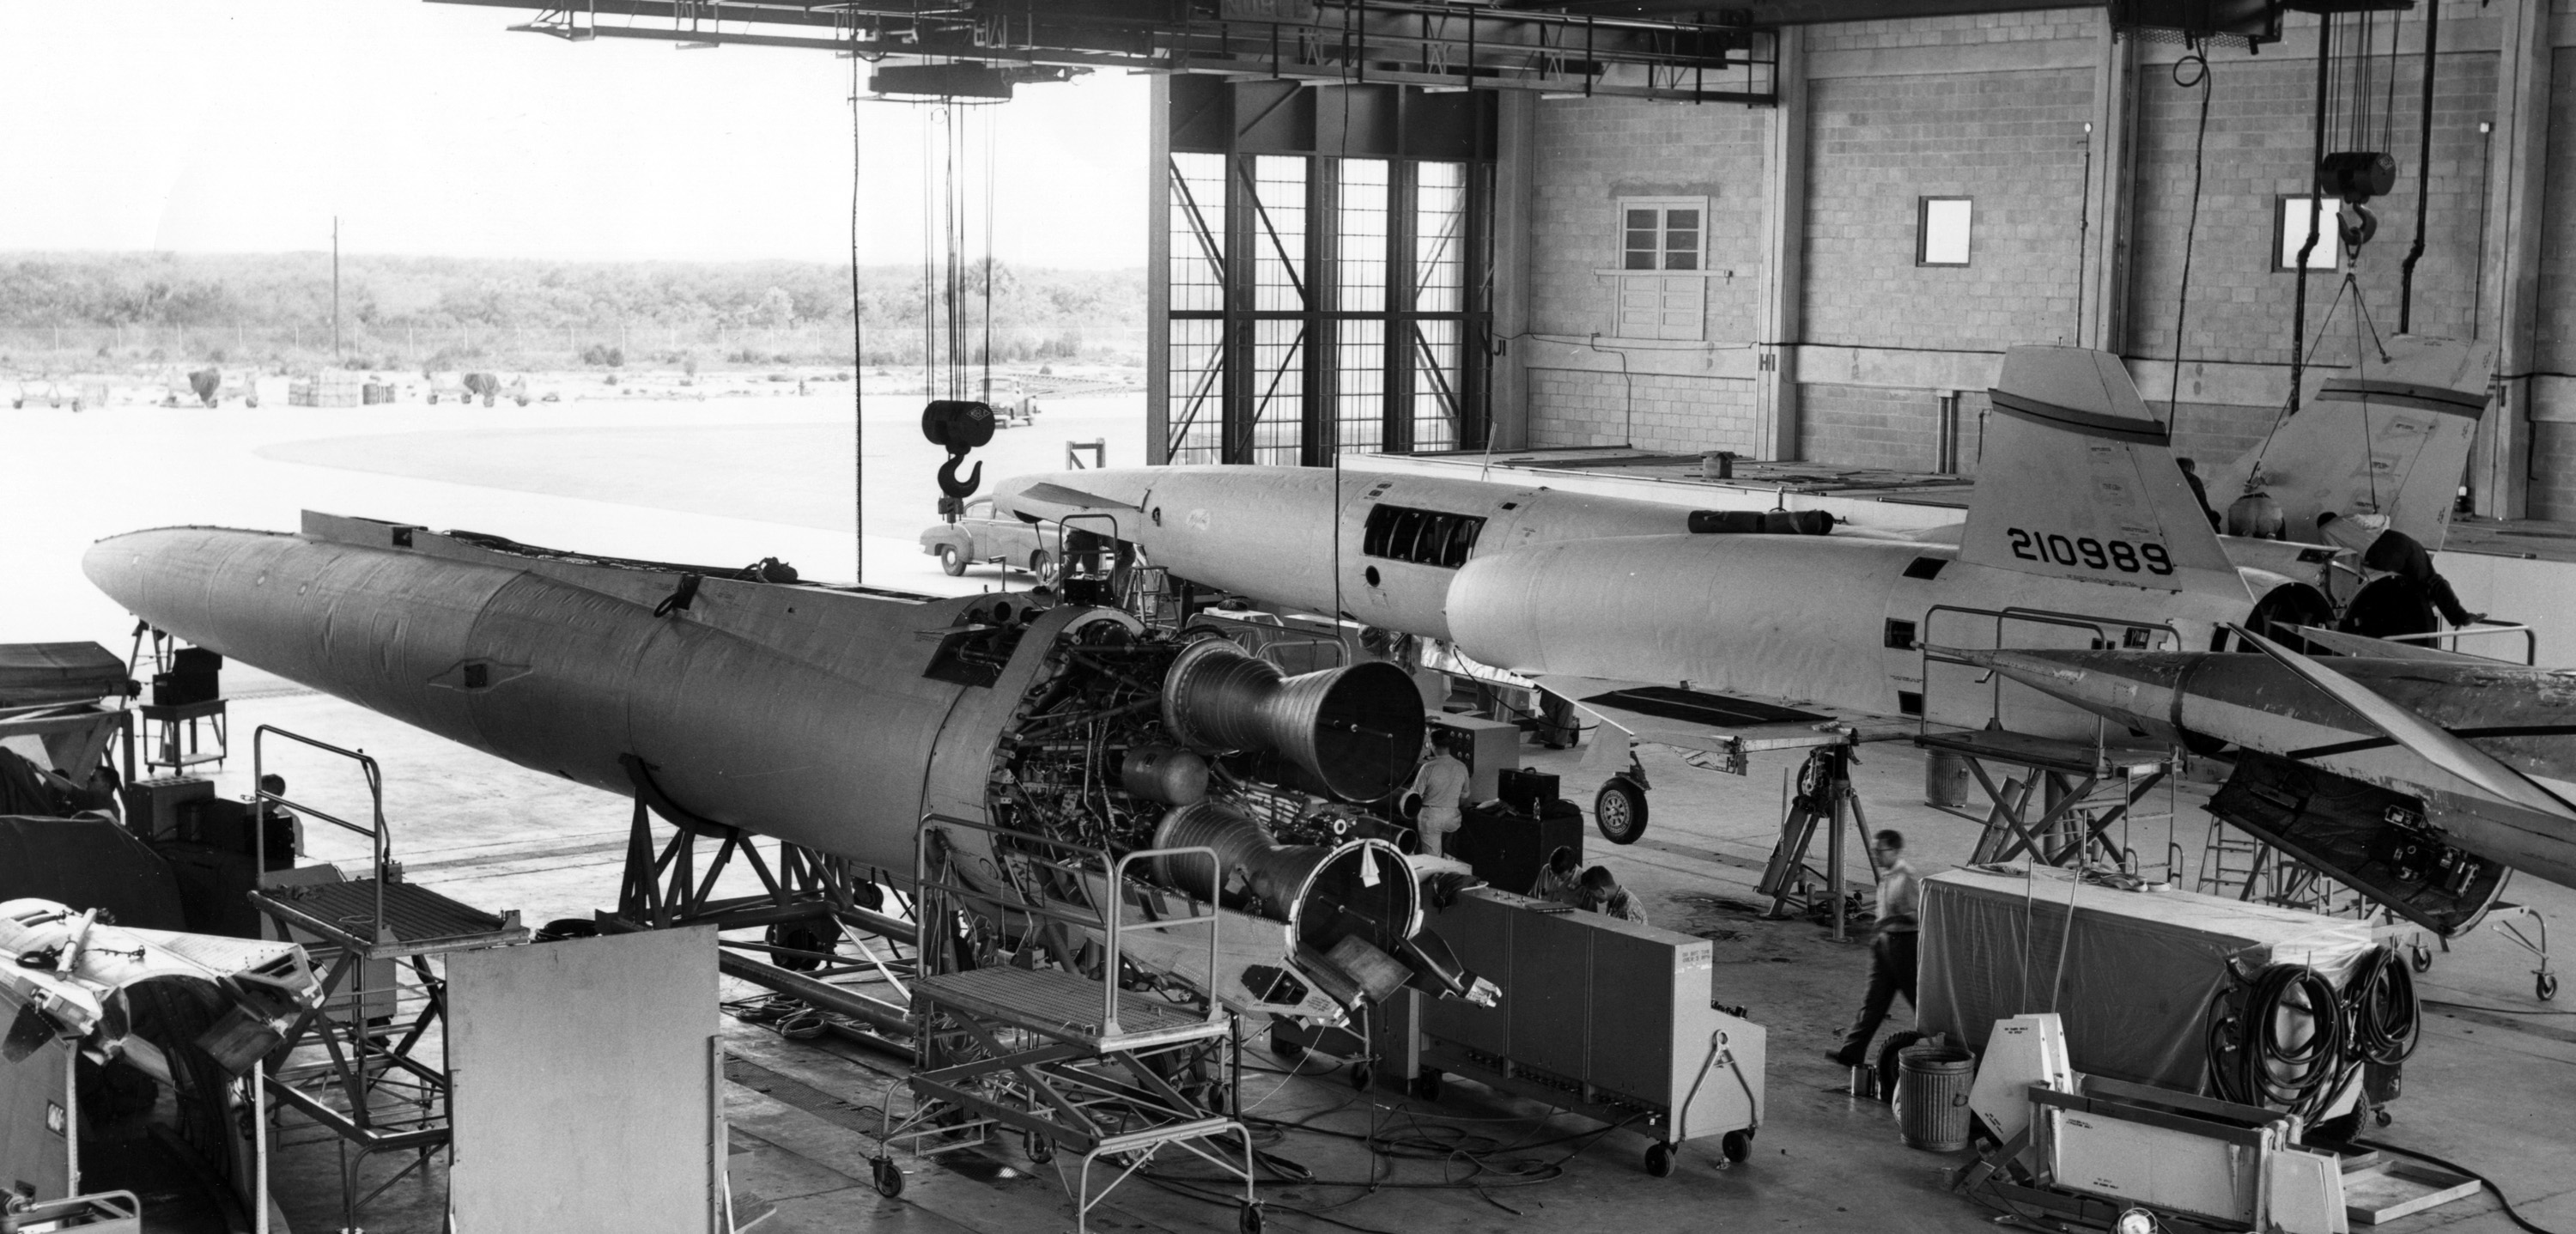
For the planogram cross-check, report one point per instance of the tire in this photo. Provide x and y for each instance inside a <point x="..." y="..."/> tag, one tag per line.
<point x="1041" y="1149"/>
<point x="2546" y="986"/>
<point x="1248" y="1219"/>
<point x="952" y="562"/>
<point x="252" y="401"/>
<point x="1736" y="1145"/>
<point x="1042" y="564"/>
<point x="888" y="1177"/>
<point x="1362" y="1075"/>
<point x="1659" y="1159"/>
<point x="1620" y="810"/>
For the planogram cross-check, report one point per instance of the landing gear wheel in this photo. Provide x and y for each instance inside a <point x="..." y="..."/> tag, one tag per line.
<point x="1891" y="1056"/>
<point x="2421" y="957"/>
<point x="1659" y="1159"/>
<point x="888" y="1177"/>
<point x="1620" y="810"/>
<point x="1248" y="1219"/>
<point x="1362" y="1075"/>
<point x="951" y="562"/>
<point x="1042" y="564"/>
<point x="1041" y="1149"/>
<point x="2546" y="986"/>
<point x="1426" y="1085"/>
<point x="1736" y="1145"/>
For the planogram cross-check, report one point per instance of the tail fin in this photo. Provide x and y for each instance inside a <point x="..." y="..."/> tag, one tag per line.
<point x="2391" y="438"/>
<point x="2078" y="481"/>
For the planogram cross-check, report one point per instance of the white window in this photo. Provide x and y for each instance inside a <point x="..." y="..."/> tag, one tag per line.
<point x="1943" y="225"/>
<point x="1662" y="268"/>
<point x="2290" y="234"/>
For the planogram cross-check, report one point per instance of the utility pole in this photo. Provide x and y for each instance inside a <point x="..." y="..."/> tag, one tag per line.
<point x="335" y="289"/>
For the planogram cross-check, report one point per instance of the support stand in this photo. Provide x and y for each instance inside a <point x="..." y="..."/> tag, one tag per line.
<point x="1825" y="792"/>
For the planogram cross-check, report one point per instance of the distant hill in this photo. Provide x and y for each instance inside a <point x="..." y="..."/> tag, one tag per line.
<point x="272" y="306"/>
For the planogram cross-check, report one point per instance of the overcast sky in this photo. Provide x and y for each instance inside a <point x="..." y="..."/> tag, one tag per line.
<point x="429" y="129"/>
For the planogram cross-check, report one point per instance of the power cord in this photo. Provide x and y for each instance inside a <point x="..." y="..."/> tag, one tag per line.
<point x="2510" y="1214"/>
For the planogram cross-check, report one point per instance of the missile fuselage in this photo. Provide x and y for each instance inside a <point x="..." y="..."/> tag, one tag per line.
<point x="2523" y="717"/>
<point x="834" y="718"/>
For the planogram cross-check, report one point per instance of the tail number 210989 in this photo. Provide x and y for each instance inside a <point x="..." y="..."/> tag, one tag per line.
<point x="2086" y="551"/>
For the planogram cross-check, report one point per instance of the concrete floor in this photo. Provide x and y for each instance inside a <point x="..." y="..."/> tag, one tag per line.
<point x="2489" y="1087"/>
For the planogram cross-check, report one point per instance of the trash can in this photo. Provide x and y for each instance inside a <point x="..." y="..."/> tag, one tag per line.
<point x="1945" y="779"/>
<point x="1932" y="1097"/>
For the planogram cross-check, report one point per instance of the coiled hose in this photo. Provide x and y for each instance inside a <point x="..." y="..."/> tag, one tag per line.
<point x="2288" y="1039"/>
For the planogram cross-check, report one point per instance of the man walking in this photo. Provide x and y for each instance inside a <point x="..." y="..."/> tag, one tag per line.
<point x="1891" y="957"/>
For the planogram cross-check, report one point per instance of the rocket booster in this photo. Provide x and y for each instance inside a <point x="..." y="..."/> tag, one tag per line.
<point x="836" y="718"/>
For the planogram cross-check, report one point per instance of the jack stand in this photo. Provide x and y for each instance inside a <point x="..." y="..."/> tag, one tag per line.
<point x="1824" y="793"/>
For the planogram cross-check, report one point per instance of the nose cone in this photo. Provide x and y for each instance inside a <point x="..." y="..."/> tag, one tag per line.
<point x="147" y="571"/>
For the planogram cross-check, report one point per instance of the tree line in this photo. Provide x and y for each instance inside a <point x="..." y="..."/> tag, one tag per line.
<point x="269" y="291"/>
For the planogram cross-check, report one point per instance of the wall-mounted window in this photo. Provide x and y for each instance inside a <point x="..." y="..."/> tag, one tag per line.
<point x="1663" y="233"/>
<point x="1942" y="229"/>
<point x="1424" y="537"/>
<point x="1662" y="268"/>
<point x="2290" y="234"/>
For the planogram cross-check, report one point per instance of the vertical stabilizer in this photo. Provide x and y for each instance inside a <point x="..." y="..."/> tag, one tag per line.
<point x="2392" y="438"/>
<point x="2078" y="480"/>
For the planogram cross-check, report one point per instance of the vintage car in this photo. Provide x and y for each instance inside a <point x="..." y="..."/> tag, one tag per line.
<point x="984" y="533"/>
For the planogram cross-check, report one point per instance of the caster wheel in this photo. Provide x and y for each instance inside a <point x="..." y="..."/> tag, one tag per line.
<point x="888" y="1177"/>
<point x="1362" y="1075"/>
<point x="2382" y="1117"/>
<point x="1041" y="1149"/>
<point x="1426" y="1086"/>
<point x="1620" y="810"/>
<point x="1736" y="1145"/>
<point x="1659" y="1160"/>
<point x="1213" y="1100"/>
<point x="2421" y="957"/>
<point x="1248" y="1219"/>
<point x="2546" y="986"/>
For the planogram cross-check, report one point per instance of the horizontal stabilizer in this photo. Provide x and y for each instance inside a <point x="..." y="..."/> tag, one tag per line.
<point x="2078" y="481"/>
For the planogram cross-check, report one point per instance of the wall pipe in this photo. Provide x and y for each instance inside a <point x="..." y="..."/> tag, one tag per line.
<point x="2423" y="173"/>
<point x="2316" y="207"/>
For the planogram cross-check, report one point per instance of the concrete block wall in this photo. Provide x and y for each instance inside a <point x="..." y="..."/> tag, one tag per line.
<point x="1993" y="107"/>
<point x="2012" y="142"/>
<point x="1653" y="411"/>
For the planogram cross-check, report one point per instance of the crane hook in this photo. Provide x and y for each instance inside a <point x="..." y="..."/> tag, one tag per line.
<point x="951" y="485"/>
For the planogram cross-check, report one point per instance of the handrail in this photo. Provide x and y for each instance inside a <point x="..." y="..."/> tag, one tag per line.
<point x="1115" y="868"/>
<point x="2530" y="638"/>
<point x="1063" y="529"/>
<point x="1924" y="643"/>
<point x="261" y="797"/>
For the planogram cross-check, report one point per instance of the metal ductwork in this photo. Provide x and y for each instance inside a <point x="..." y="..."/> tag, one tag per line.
<point x="1355" y="732"/>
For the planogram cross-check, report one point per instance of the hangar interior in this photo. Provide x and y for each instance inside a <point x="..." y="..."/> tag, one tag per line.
<point x="1662" y="522"/>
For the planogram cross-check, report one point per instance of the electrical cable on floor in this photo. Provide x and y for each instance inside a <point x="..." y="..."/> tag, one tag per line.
<point x="2510" y="1213"/>
<point x="2443" y="1002"/>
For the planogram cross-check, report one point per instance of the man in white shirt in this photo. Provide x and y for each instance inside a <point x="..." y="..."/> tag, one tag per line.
<point x="1892" y="956"/>
<point x="1442" y="786"/>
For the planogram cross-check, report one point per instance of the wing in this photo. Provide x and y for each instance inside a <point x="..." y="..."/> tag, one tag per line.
<point x="1732" y="724"/>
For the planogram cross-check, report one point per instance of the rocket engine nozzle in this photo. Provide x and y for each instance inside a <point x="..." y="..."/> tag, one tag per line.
<point x="1323" y="892"/>
<point x="1356" y="731"/>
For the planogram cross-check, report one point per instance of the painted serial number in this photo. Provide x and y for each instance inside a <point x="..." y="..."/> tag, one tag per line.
<point x="2086" y="551"/>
